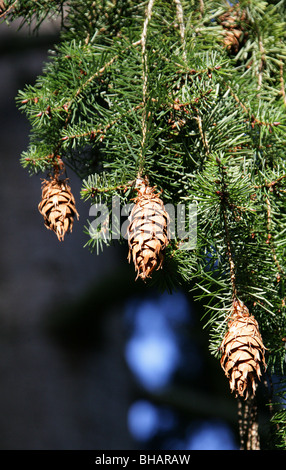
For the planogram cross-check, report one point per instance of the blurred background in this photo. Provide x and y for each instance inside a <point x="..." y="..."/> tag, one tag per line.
<point x="89" y="359"/>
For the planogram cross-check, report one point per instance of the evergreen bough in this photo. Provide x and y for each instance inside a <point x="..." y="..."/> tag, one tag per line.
<point x="190" y="94"/>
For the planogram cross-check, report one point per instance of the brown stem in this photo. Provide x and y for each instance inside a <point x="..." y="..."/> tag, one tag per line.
<point x="248" y="424"/>
<point x="4" y="12"/>
<point x="282" y="83"/>
<point x="227" y="236"/>
<point x="271" y="184"/>
<point x="229" y="253"/>
<point x="269" y="236"/>
<point x="203" y="137"/>
<point x="180" y="16"/>
<point x="145" y="82"/>
<point x="261" y="65"/>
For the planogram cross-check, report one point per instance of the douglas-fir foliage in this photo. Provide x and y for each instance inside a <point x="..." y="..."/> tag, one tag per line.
<point x="190" y="94"/>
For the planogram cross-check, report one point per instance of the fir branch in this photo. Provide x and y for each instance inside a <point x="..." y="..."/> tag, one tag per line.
<point x="252" y="119"/>
<point x="97" y="74"/>
<point x="206" y="124"/>
<point x="31" y="12"/>
<point x="270" y="184"/>
<point x="101" y="131"/>
<point x="105" y="183"/>
<point x="237" y="99"/>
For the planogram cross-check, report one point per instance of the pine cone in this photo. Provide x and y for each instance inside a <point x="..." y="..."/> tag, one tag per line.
<point x="148" y="231"/>
<point x="58" y="206"/>
<point x="231" y="21"/>
<point x="242" y="351"/>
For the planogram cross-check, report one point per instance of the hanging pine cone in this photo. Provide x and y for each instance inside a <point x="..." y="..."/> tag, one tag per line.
<point x="232" y="22"/>
<point x="242" y="352"/>
<point x="148" y="231"/>
<point x="58" y="206"/>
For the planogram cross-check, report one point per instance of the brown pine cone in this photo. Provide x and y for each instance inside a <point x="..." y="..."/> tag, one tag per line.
<point x="233" y="22"/>
<point x="242" y="351"/>
<point x="148" y="231"/>
<point x="58" y="206"/>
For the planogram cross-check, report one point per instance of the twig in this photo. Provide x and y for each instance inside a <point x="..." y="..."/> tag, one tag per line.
<point x="282" y="83"/>
<point x="94" y="190"/>
<point x="180" y="16"/>
<point x="143" y="44"/>
<point x="227" y="235"/>
<point x="203" y="137"/>
<point x="102" y="130"/>
<point x="8" y="9"/>
<point x="145" y="81"/>
<point x="237" y="99"/>
<point x="202" y="6"/>
<point x="271" y="184"/>
<point x="254" y="120"/>
<point x="98" y="73"/>
<point x="230" y="258"/>
<point x="248" y="424"/>
<point x="269" y="236"/>
<point x="261" y="65"/>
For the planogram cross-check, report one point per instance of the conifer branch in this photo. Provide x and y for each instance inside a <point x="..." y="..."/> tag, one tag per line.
<point x="101" y="130"/>
<point x="271" y="184"/>
<point x="113" y="100"/>
<point x="237" y="99"/>
<point x="97" y="74"/>
<point x="253" y="120"/>
<point x="66" y="106"/>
